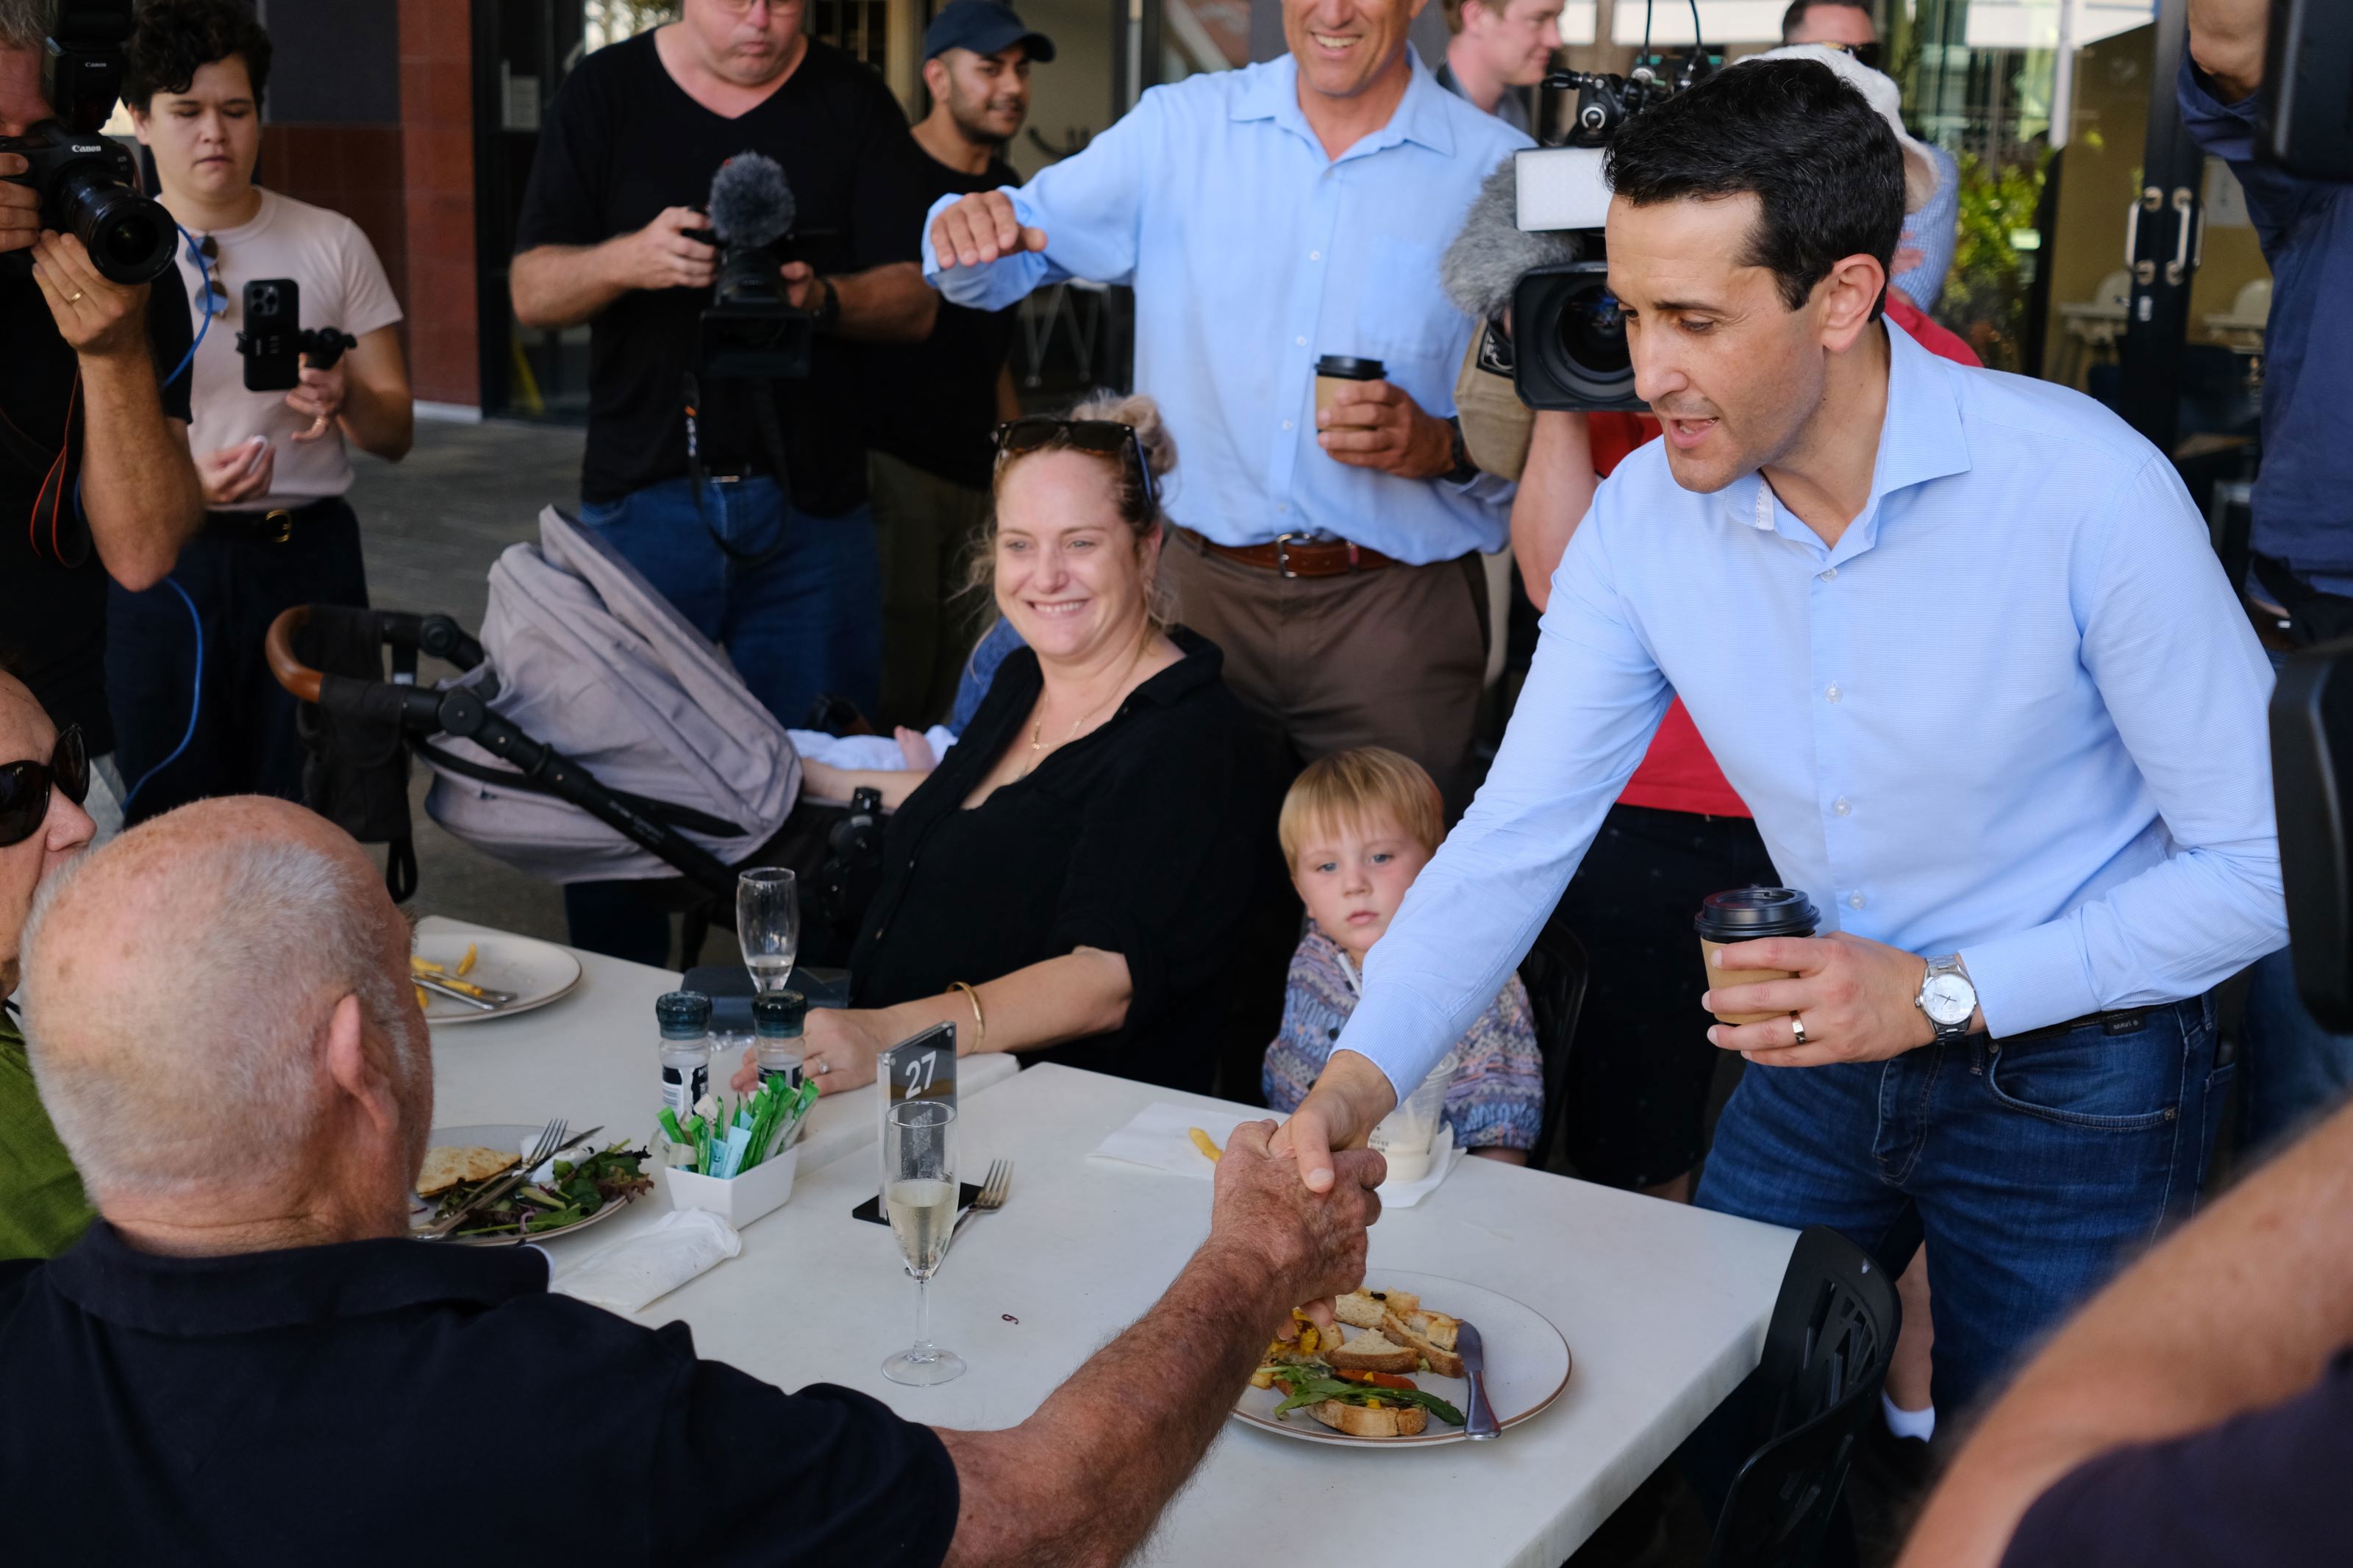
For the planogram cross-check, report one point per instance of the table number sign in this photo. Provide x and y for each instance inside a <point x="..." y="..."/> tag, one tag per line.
<point x="921" y="1066"/>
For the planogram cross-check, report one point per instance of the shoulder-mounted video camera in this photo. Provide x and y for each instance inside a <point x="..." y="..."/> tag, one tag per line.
<point x="88" y="183"/>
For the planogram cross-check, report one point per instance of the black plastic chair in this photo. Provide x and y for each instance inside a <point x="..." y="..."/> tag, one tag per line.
<point x="1803" y="1411"/>
<point x="1554" y="974"/>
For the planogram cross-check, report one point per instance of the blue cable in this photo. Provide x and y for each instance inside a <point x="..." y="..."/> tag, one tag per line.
<point x="195" y="697"/>
<point x="197" y="687"/>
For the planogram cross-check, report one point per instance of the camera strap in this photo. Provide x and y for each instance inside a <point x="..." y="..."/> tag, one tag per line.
<point x="52" y="516"/>
<point x="764" y="415"/>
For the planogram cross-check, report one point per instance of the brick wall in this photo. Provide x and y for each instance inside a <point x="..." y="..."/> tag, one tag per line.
<point x="436" y="144"/>
<point x="354" y="170"/>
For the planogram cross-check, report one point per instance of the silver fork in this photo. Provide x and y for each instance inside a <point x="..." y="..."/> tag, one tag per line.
<point x="993" y="1193"/>
<point x="551" y="1138"/>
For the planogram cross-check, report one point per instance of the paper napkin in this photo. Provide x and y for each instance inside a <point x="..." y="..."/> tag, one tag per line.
<point x="633" y="1274"/>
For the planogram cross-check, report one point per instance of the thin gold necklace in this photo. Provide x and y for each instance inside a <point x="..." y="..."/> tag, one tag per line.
<point x="1038" y="728"/>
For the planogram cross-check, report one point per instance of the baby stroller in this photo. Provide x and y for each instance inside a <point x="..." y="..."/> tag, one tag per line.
<point x="592" y="735"/>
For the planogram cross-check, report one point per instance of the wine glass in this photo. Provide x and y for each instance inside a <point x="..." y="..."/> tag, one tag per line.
<point x="920" y="1192"/>
<point x="769" y="925"/>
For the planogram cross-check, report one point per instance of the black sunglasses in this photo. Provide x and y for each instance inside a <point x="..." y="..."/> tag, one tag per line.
<point x="1103" y="437"/>
<point x="207" y="249"/>
<point x="24" y="786"/>
<point x="1864" y="55"/>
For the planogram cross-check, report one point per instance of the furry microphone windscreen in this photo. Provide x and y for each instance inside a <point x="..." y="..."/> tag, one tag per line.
<point x="750" y="203"/>
<point x="1492" y="253"/>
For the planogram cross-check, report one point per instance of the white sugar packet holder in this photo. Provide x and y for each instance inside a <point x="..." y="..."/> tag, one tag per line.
<point x="1160" y="1138"/>
<point x="633" y="1274"/>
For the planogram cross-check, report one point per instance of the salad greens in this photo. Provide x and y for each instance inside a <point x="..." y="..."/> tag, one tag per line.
<point x="571" y="1195"/>
<point x="1315" y="1385"/>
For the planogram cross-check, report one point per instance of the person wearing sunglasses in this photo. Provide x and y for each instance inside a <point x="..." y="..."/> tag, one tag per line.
<point x="1072" y="875"/>
<point x="44" y="780"/>
<point x="195" y="709"/>
<point x="1924" y="256"/>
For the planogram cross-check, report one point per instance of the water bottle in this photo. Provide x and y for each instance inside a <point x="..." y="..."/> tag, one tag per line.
<point x="685" y="1020"/>
<point x="776" y="1020"/>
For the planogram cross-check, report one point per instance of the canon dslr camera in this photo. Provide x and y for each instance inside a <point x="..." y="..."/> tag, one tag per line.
<point x="88" y="184"/>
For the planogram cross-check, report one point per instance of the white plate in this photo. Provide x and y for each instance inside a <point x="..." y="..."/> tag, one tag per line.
<point x="507" y="1135"/>
<point x="1527" y="1366"/>
<point x="536" y="972"/>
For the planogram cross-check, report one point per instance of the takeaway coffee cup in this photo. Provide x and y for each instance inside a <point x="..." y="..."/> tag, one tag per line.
<point x="1335" y="373"/>
<point x="1748" y="914"/>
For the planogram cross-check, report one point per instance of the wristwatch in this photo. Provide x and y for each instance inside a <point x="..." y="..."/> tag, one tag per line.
<point x="828" y="309"/>
<point x="1947" y="998"/>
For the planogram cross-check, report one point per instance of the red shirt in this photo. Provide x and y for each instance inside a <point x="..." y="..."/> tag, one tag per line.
<point x="1678" y="773"/>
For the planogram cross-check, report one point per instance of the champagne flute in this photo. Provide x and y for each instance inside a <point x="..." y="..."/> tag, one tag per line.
<point x="769" y="925"/>
<point x="919" y="1165"/>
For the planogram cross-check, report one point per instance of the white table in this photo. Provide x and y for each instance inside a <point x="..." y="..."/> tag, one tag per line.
<point x="1663" y="1307"/>
<point x="590" y="1059"/>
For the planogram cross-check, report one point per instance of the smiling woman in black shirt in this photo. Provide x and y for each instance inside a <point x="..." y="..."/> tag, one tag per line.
<point x="1072" y="875"/>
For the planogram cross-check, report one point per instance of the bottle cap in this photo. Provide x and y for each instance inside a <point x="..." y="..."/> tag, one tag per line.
<point x="683" y="1015"/>
<point x="779" y="1013"/>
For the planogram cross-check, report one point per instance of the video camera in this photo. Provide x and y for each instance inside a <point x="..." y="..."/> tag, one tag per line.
<point x="274" y="341"/>
<point x="749" y="331"/>
<point x="1569" y="337"/>
<point x="88" y="183"/>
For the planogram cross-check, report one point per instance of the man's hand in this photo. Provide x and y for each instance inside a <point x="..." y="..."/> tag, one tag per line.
<point x="1373" y="425"/>
<point x="320" y="395"/>
<point x="802" y="289"/>
<point x="230" y="473"/>
<point x="20" y="205"/>
<point x="99" y="320"/>
<point x="979" y="229"/>
<point x="1858" y="999"/>
<point x="1350" y="1097"/>
<point x="1312" y="1244"/>
<point x="663" y="255"/>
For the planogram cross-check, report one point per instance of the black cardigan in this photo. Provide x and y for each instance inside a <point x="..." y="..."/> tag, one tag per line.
<point x="1140" y="838"/>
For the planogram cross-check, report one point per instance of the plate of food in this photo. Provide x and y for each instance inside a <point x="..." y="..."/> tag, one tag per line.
<point x="1394" y="1379"/>
<point x="583" y="1188"/>
<point x="463" y="977"/>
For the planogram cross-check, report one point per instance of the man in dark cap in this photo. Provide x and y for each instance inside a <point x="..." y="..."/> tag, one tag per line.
<point x="931" y="406"/>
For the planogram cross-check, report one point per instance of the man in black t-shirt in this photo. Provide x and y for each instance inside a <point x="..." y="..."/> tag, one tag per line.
<point x="612" y="234"/>
<point x="932" y="407"/>
<point x="95" y="478"/>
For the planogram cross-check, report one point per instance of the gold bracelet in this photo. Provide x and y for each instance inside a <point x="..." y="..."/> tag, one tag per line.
<point x="979" y="1018"/>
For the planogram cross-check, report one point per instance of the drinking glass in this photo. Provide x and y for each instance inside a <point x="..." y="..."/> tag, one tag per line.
<point x="769" y="925"/>
<point x="920" y="1188"/>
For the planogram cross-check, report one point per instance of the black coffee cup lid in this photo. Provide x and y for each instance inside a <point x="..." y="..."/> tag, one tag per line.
<point x="1347" y="367"/>
<point x="1745" y="914"/>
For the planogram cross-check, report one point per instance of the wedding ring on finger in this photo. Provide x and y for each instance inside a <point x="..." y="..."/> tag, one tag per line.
<point x="822" y="1066"/>
<point x="1797" y="1030"/>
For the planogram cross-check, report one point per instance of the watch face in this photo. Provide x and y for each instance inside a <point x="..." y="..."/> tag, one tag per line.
<point x="1949" y="999"/>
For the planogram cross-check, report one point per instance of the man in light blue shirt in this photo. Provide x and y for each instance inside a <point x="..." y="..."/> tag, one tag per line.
<point x="1267" y="217"/>
<point x="1958" y="641"/>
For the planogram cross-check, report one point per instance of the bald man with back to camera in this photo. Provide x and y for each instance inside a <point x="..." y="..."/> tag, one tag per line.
<point x="246" y="1354"/>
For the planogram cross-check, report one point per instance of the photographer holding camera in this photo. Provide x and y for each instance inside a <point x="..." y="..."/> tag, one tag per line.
<point x="95" y="479"/>
<point x="1960" y="642"/>
<point x="195" y="708"/>
<point x="742" y="498"/>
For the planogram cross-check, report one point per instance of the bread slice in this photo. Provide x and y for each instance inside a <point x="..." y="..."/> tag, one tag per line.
<point x="1361" y="1421"/>
<point x="1440" y="1360"/>
<point x="1360" y="1309"/>
<point x="1371" y="1351"/>
<point x="1436" y="1327"/>
<point x="446" y="1167"/>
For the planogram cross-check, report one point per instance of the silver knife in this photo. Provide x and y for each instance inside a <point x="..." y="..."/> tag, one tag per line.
<point x="1479" y="1421"/>
<point x="479" y="1003"/>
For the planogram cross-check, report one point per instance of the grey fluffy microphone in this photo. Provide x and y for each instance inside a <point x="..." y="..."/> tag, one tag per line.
<point x="751" y="201"/>
<point x="1491" y="253"/>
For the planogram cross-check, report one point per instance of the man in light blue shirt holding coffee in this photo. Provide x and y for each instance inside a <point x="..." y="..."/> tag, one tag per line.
<point x="1269" y="218"/>
<point x="1958" y="640"/>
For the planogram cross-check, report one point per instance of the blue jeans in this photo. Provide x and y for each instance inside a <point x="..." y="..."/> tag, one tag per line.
<point x="2034" y="1168"/>
<point x="806" y="623"/>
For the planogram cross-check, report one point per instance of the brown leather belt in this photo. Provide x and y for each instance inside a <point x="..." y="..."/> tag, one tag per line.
<point x="1298" y="556"/>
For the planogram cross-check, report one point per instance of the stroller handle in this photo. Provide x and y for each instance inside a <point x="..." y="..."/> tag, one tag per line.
<point x="278" y="647"/>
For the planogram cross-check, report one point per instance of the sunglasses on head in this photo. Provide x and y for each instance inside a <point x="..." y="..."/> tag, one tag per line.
<point x="24" y="786"/>
<point x="1103" y="437"/>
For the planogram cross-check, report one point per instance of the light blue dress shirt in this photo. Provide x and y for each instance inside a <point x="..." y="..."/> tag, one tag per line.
<point x="2016" y="713"/>
<point x="1253" y="254"/>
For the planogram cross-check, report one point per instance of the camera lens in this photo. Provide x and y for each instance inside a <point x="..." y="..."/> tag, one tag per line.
<point x="1593" y="334"/>
<point x="128" y="236"/>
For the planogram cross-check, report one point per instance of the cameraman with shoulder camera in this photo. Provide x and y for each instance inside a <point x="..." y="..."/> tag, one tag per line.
<point x="95" y="479"/>
<point x="195" y="708"/>
<point x="770" y="552"/>
<point x="1960" y="642"/>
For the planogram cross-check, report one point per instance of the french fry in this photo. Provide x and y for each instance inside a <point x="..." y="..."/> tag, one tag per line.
<point x="466" y="964"/>
<point x="468" y="986"/>
<point x="423" y="1001"/>
<point x="425" y="966"/>
<point x="1206" y="1145"/>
